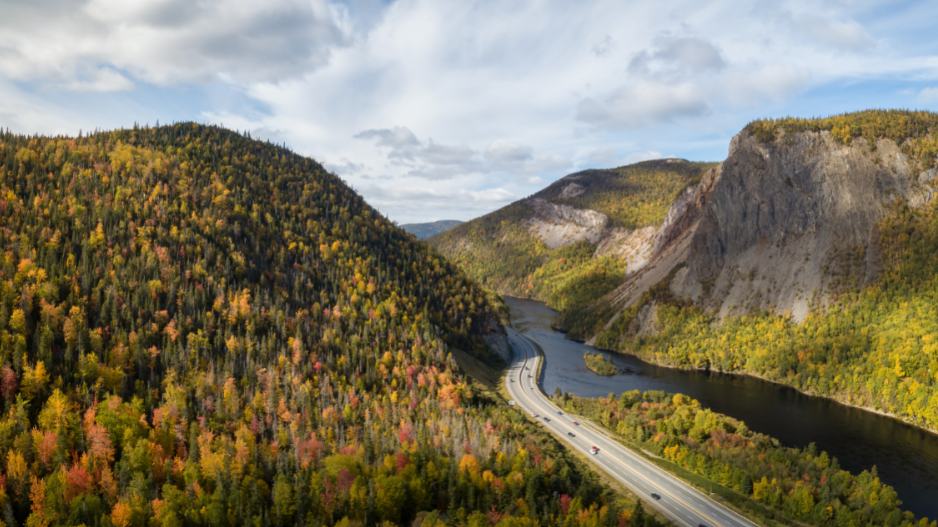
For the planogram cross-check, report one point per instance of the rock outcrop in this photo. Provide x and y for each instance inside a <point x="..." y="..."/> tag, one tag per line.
<point x="759" y="230"/>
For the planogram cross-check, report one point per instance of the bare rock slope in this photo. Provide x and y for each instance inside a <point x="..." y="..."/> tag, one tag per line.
<point x="760" y="229"/>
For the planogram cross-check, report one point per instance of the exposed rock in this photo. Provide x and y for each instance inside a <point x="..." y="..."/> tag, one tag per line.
<point x="572" y="190"/>
<point x="636" y="247"/>
<point x="758" y="230"/>
<point x="559" y="225"/>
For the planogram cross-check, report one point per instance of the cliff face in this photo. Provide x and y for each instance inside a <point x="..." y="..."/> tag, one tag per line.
<point x="762" y="230"/>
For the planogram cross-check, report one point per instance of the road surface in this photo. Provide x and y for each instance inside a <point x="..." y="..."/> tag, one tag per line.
<point x="681" y="503"/>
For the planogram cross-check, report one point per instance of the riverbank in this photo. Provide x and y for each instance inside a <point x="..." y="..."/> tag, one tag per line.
<point x="906" y="456"/>
<point x="599" y="364"/>
<point x="755" y="375"/>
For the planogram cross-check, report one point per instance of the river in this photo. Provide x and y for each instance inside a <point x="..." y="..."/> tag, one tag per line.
<point x="905" y="457"/>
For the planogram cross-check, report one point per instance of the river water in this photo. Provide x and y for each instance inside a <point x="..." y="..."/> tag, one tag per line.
<point x="906" y="457"/>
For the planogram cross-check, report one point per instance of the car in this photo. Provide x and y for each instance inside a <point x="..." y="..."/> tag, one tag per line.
<point x="559" y="413"/>
<point x="576" y="423"/>
<point x="547" y="418"/>
<point x="594" y="450"/>
<point x="535" y="414"/>
<point x="657" y="497"/>
<point x="512" y="380"/>
<point x="529" y="376"/>
<point x="527" y="367"/>
<point x="701" y="525"/>
<point x="570" y="434"/>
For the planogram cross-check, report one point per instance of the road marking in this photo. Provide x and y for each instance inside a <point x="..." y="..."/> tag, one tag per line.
<point x="524" y="344"/>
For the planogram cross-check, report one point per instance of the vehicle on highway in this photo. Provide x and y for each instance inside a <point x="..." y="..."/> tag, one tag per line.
<point x="535" y="414"/>
<point x="657" y="497"/>
<point x="527" y="367"/>
<point x="559" y="413"/>
<point x="594" y="450"/>
<point x="546" y="418"/>
<point x="576" y="423"/>
<point x="512" y="380"/>
<point x="529" y="376"/>
<point x="570" y="434"/>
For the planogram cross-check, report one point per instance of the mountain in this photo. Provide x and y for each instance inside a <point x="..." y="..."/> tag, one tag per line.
<point x="808" y="257"/>
<point x="426" y="230"/>
<point x="199" y="328"/>
<point x="576" y="240"/>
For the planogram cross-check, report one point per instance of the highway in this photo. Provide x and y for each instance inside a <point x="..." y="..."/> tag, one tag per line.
<point x="681" y="503"/>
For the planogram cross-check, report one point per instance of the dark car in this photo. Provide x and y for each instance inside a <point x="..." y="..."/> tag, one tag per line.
<point x="559" y="413"/>
<point x="546" y="418"/>
<point x="657" y="497"/>
<point x="570" y="434"/>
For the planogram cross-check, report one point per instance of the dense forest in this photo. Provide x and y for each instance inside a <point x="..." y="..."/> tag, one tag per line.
<point x="751" y="470"/>
<point x="499" y="252"/>
<point x="197" y="328"/>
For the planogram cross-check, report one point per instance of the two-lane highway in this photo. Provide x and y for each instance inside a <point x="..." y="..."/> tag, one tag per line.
<point x="680" y="502"/>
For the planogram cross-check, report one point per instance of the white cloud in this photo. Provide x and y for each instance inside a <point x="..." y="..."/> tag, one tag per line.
<point x="102" y="80"/>
<point x="643" y="105"/>
<point x="513" y="94"/>
<point x="678" y="58"/>
<point x="776" y="82"/>
<point x="502" y="151"/>
<point x="165" y="41"/>
<point x="602" y="156"/>
<point x="848" y="35"/>
<point x="928" y="95"/>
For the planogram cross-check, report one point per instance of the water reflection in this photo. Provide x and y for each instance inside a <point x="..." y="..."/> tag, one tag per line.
<point x="906" y="457"/>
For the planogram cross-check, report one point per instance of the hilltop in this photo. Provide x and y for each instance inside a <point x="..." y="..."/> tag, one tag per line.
<point x="427" y="230"/>
<point x="576" y="240"/>
<point x="199" y="328"/>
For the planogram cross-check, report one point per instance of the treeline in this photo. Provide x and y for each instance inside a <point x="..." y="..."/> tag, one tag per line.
<point x="873" y="347"/>
<point x="916" y="132"/>
<point x="804" y="486"/>
<point x="201" y="329"/>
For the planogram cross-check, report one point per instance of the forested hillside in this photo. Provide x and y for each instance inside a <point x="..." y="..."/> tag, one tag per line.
<point x="865" y="270"/>
<point x="505" y="252"/>
<point x="201" y="329"/>
<point x="752" y="471"/>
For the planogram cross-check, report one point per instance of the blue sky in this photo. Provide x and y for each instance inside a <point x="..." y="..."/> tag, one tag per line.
<point x="448" y="109"/>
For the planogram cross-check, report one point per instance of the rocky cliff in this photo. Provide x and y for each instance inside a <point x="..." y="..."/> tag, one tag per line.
<point x="762" y="230"/>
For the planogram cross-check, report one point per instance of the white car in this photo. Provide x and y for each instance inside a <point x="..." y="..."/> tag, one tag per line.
<point x="594" y="450"/>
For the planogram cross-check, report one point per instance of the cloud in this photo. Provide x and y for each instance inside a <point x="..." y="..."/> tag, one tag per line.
<point x="777" y="82"/>
<point x="637" y="157"/>
<point x="848" y="35"/>
<point x="604" y="46"/>
<point x="165" y="42"/>
<point x="678" y="58"/>
<point x="502" y="151"/>
<point x="344" y="167"/>
<point x="398" y="138"/>
<point x="928" y="95"/>
<point x="644" y="104"/>
<point x="602" y="156"/>
<point x="101" y="80"/>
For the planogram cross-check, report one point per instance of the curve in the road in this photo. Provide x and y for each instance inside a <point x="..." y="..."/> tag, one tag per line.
<point x="680" y="502"/>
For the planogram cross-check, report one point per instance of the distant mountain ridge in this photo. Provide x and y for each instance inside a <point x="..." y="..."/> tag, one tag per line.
<point x="427" y="230"/>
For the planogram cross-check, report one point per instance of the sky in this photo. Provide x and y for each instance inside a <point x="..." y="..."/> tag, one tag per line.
<point x="449" y="109"/>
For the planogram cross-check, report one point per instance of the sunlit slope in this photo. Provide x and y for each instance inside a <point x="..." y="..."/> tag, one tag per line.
<point x="562" y="245"/>
<point x="198" y="328"/>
